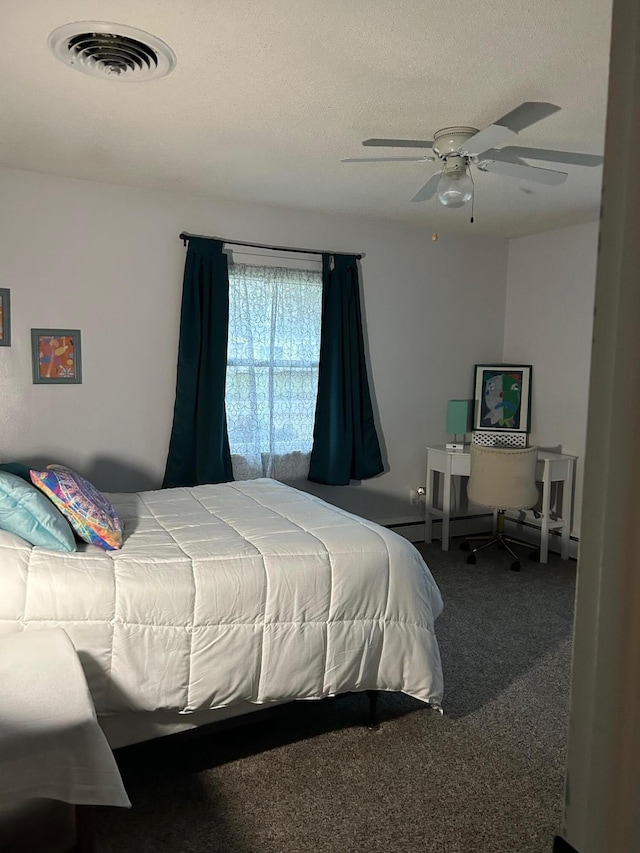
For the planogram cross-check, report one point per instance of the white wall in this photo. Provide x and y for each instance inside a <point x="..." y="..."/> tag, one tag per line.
<point x="548" y="323"/>
<point x="107" y="260"/>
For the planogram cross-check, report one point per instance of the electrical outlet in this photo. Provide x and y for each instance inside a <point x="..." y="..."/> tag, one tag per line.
<point x="414" y="498"/>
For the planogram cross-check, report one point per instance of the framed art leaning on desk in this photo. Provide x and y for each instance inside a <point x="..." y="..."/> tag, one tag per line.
<point x="502" y="395"/>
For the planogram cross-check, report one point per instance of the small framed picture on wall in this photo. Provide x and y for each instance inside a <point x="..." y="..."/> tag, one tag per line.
<point x="502" y="397"/>
<point x="56" y="356"/>
<point x="5" y="318"/>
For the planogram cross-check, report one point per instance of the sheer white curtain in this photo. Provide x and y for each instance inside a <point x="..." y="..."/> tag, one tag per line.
<point x="272" y="369"/>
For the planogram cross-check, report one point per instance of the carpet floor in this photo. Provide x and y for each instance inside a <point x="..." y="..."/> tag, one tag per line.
<point x="487" y="777"/>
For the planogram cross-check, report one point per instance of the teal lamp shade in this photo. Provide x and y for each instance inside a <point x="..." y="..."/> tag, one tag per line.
<point x="458" y="416"/>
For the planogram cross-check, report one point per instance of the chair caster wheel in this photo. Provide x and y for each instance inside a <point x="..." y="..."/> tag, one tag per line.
<point x="515" y="566"/>
<point x="534" y="556"/>
<point x="464" y="546"/>
<point x="471" y="559"/>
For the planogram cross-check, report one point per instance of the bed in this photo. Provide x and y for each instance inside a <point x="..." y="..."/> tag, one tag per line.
<point x="226" y="598"/>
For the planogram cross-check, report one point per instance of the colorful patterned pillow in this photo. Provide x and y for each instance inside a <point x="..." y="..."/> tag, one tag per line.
<point x="88" y="510"/>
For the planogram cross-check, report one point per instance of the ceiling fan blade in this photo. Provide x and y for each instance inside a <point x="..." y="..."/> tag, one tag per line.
<point x="506" y="155"/>
<point x="504" y="129"/>
<point x="490" y="137"/>
<point x="527" y="114"/>
<point x="386" y="159"/>
<point x="570" y="157"/>
<point x="429" y="189"/>
<point x="399" y="143"/>
<point x="526" y="173"/>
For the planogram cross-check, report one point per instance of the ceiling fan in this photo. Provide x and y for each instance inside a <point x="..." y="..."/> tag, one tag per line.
<point x="459" y="148"/>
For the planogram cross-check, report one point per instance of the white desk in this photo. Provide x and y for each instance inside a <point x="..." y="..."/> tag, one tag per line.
<point x="551" y="468"/>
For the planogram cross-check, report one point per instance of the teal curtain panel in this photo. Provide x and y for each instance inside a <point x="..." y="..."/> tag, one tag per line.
<point x="199" y="447"/>
<point x="345" y="441"/>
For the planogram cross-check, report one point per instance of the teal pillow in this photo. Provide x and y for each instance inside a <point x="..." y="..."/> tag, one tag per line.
<point x="26" y="512"/>
<point x="18" y="469"/>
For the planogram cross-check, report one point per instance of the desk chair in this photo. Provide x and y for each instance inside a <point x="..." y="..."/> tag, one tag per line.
<point x="503" y="478"/>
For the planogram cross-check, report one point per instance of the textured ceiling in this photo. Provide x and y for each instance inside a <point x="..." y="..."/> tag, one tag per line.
<point x="267" y="97"/>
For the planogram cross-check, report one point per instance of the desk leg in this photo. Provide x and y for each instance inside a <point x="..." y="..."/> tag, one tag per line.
<point x="567" y="490"/>
<point x="546" y="508"/>
<point x="428" y="504"/>
<point x="446" y="507"/>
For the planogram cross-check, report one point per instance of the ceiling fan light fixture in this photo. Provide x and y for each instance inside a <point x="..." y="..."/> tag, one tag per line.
<point x="455" y="187"/>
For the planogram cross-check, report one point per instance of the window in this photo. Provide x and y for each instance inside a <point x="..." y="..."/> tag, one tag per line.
<point x="272" y="369"/>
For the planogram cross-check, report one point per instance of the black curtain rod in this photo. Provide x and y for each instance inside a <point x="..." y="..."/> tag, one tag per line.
<point x="185" y="236"/>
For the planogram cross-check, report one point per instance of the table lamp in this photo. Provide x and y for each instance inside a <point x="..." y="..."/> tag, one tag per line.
<point x="458" y="422"/>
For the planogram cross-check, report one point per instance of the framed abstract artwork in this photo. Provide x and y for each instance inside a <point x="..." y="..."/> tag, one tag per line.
<point x="56" y="356"/>
<point x="5" y="318"/>
<point x="502" y="397"/>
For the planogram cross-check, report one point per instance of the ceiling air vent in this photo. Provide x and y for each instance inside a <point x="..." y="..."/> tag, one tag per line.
<point x="112" y="51"/>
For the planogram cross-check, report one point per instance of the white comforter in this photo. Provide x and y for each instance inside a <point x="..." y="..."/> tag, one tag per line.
<point x="247" y="591"/>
